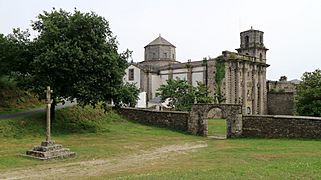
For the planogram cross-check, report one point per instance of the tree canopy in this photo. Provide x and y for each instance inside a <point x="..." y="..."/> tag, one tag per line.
<point x="74" y="53"/>
<point x="309" y="94"/>
<point x="12" y="49"/>
<point x="184" y="95"/>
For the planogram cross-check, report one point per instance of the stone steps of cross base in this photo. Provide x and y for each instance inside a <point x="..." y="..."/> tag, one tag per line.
<point x="63" y="152"/>
<point x="48" y="148"/>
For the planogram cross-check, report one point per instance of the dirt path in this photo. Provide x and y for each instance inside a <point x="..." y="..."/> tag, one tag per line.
<point x="87" y="169"/>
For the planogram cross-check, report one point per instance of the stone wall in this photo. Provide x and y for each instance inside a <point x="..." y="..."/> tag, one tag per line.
<point x="281" y="126"/>
<point x="280" y="103"/>
<point x="198" y="122"/>
<point x="167" y="119"/>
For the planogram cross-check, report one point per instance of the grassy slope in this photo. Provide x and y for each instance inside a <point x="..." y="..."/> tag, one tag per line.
<point x="111" y="136"/>
<point x="12" y="99"/>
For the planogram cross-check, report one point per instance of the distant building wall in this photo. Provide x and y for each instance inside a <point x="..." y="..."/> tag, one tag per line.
<point x="280" y="103"/>
<point x="141" y="103"/>
<point x="281" y="86"/>
<point x="136" y="79"/>
<point x="281" y="126"/>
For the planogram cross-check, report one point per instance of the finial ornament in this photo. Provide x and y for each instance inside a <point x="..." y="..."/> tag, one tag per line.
<point x="251" y="27"/>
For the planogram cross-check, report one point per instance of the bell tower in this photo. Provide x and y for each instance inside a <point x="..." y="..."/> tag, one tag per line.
<point x="252" y="44"/>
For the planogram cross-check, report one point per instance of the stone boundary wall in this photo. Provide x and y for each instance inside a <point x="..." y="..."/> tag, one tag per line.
<point x="280" y="103"/>
<point x="166" y="119"/>
<point x="281" y="126"/>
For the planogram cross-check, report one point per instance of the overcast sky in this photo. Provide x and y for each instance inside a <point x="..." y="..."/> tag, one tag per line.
<point x="198" y="28"/>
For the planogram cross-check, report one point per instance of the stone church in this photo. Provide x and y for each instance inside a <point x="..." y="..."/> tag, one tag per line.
<point x="245" y="72"/>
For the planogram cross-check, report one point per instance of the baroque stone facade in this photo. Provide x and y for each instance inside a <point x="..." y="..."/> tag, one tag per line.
<point x="245" y="71"/>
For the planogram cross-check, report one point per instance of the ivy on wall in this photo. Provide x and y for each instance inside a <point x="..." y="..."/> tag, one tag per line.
<point x="219" y="76"/>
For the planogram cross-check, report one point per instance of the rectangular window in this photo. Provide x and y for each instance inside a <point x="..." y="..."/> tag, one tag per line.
<point x="130" y="74"/>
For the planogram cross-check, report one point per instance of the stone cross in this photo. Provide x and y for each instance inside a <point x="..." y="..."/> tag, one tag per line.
<point x="48" y="101"/>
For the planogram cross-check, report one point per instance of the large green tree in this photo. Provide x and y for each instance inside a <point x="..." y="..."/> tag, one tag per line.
<point x="13" y="48"/>
<point x="77" y="55"/>
<point x="308" y="99"/>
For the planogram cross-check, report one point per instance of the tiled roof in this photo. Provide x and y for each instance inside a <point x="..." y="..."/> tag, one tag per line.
<point x="160" y="41"/>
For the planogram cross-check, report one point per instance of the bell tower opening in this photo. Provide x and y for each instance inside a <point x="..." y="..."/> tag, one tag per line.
<point x="247" y="41"/>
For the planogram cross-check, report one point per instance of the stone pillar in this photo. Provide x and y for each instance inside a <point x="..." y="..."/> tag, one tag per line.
<point x="244" y="93"/>
<point x="254" y="92"/>
<point x="261" y="91"/>
<point x="238" y="84"/>
<point x="189" y="73"/>
<point x="170" y="72"/>
<point x="148" y="86"/>
<point x="227" y="83"/>
<point x="264" y="91"/>
<point x="232" y="84"/>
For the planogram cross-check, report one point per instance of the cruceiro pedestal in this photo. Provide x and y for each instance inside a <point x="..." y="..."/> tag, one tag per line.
<point x="48" y="149"/>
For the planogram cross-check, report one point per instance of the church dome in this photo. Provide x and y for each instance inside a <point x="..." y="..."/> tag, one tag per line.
<point x="160" y="41"/>
<point x="160" y="52"/>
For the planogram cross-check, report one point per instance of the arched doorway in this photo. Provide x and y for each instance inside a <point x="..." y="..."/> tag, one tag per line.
<point x="216" y="124"/>
<point x="198" y="121"/>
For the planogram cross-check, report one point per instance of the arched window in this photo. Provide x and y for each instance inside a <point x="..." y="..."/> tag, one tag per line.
<point x="261" y="39"/>
<point x="247" y="40"/>
<point x="248" y="110"/>
<point x="261" y="57"/>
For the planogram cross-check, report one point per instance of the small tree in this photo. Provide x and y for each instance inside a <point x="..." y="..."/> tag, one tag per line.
<point x="183" y="94"/>
<point x="308" y="99"/>
<point x="127" y="95"/>
<point x="201" y="94"/>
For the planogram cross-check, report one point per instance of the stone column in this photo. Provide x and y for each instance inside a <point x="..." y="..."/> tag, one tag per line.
<point x="261" y="91"/>
<point x="148" y="86"/>
<point x="189" y="73"/>
<point x="254" y="92"/>
<point x="48" y="101"/>
<point x="244" y="93"/>
<point x="232" y="84"/>
<point x="238" y="84"/>
<point x="227" y="82"/>
<point x="264" y="91"/>
<point x="170" y="72"/>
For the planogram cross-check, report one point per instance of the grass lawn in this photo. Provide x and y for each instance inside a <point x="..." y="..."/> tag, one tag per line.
<point x="109" y="136"/>
<point x="216" y="127"/>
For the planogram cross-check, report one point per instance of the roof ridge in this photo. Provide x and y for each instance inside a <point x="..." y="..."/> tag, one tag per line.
<point x="160" y="41"/>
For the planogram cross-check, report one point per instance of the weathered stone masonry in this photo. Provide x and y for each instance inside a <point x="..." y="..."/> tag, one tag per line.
<point x="281" y="126"/>
<point x="167" y="119"/>
<point x="238" y="125"/>
<point x="280" y="103"/>
<point x="198" y="122"/>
